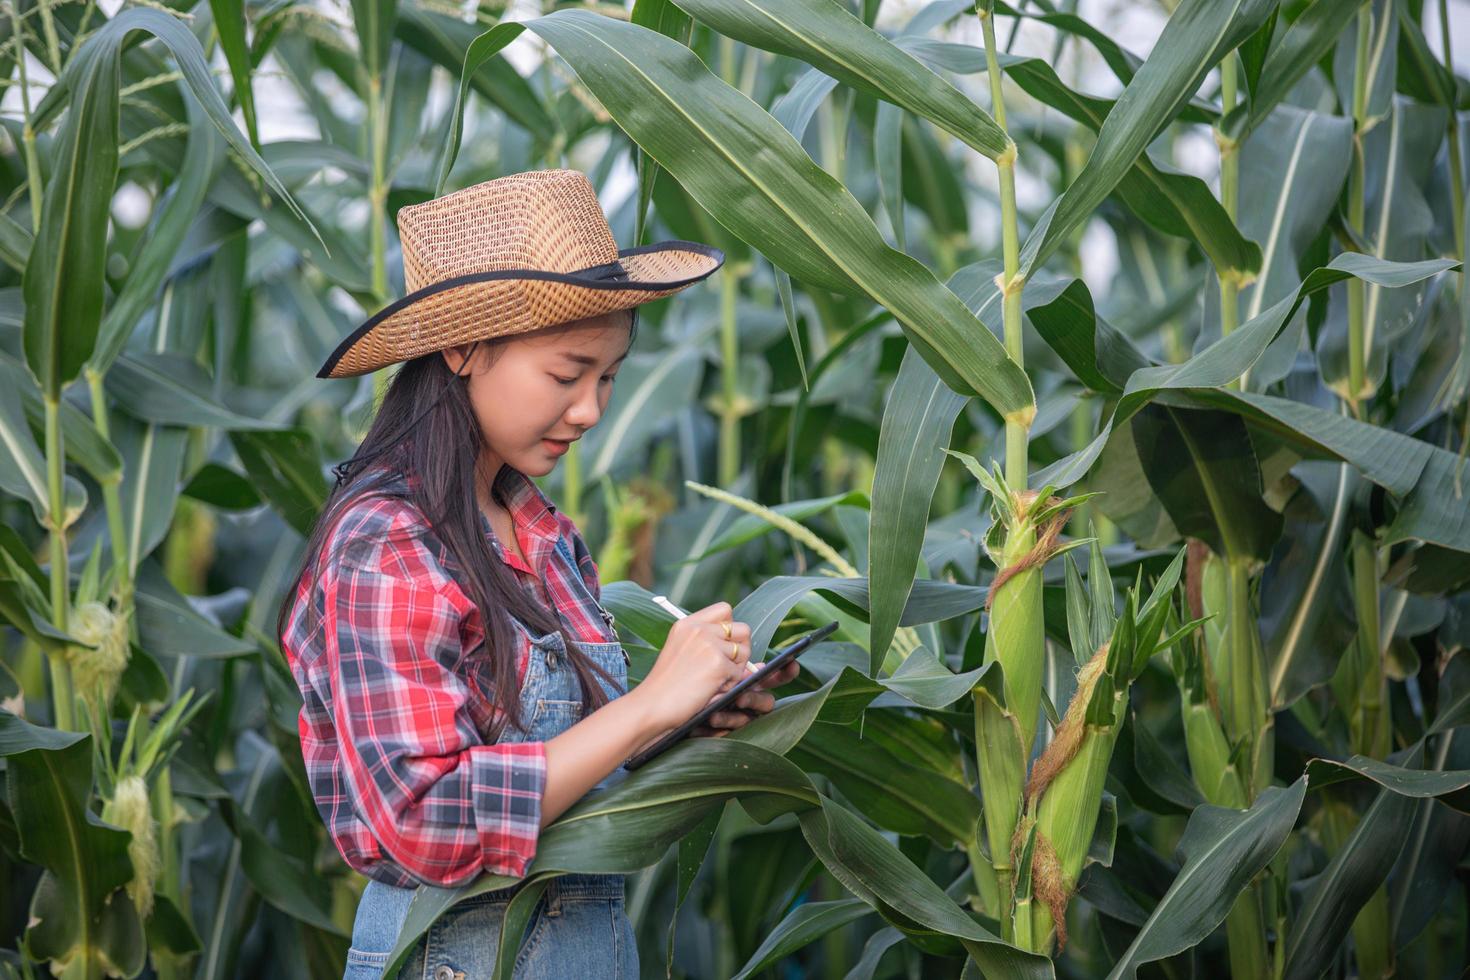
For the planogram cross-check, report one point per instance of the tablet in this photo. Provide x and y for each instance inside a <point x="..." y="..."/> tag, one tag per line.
<point x="783" y="657"/>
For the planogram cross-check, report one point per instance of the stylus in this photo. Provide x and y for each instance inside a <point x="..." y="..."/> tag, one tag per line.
<point x="678" y="613"/>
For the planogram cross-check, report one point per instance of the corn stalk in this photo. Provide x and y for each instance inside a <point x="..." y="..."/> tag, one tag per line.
<point x="1229" y="279"/>
<point x="1006" y="712"/>
<point x="1361" y="680"/>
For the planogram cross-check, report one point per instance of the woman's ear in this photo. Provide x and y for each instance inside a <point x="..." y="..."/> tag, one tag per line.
<point x="455" y="356"/>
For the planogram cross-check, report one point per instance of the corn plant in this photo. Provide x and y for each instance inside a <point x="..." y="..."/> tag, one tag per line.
<point x="1229" y="740"/>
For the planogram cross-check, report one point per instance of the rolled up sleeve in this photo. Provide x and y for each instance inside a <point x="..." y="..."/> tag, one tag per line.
<point x="443" y="804"/>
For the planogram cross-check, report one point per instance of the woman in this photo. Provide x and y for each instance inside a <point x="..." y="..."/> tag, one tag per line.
<point x="462" y="684"/>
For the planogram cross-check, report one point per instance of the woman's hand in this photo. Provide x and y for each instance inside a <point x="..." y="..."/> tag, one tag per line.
<point x="695" y="665"/>
<point x="754" y="702"/>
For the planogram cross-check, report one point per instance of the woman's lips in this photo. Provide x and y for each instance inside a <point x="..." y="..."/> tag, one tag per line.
<point x="556" y="445"/>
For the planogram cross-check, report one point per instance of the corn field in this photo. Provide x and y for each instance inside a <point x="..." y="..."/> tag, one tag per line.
<point x="1153" y="578"/>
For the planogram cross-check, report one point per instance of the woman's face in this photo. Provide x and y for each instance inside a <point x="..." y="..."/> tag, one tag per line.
<point x="551" y="384"/>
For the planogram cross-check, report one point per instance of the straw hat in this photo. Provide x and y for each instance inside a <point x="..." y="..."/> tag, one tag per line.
<point x="508" y="256"/>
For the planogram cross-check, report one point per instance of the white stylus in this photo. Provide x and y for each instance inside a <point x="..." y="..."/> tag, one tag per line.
<point x="678" y="613"/>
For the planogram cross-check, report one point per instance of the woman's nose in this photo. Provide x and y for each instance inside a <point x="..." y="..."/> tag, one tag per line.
<point x="585" y="411"/>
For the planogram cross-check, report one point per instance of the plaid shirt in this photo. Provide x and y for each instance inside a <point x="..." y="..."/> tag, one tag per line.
<point x="391" y="724"/>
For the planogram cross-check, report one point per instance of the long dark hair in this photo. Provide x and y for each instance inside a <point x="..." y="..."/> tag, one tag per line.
<point x="426" y="427"/>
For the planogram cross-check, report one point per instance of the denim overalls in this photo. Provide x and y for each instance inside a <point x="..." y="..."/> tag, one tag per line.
<point x="579" y="927"/>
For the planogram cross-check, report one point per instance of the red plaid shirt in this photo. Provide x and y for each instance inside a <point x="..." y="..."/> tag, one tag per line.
<point x="390" y="726"/>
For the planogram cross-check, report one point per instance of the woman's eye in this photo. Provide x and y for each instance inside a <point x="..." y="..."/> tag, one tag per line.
<point x="567" y="382"/>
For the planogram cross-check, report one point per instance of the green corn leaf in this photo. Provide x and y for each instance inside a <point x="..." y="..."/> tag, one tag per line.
<point x="1398" y="220"/>
<point x="651" y="389"/>
<point x="1079" y="613"/>
<point x="1292" y="170"/>
<point x="229" y="23"/>
<point x="903" y="799"/>
<point x="1204" y="468"/>
<point x="445" y="40"/>
<point x="286" y="466"/>
<point x="282" y="879"/>
<point x="63" y="296"/>
<point x="204" y="155"/>
<point x="748" y="168"/>
<point x="159" y="386"/>
<point x="168" y="625"/>
<point x="1293" y="52"/>
<point x="1195" y="38"/>
<point x="993" y="481"/>
<point x="1321" y="925"/>
<point x="518" y="915"/>
<point x="825" y="35"/>
<point x="917" y="420"/>
<point x="878" y="873"/>
<point x="1415" y="783"/>
<point x="1223" y="850"/>
<point x="373" y="20"/>
<point x="802" y="926"/>
<point x="1399" y="463"/>
<point x="154" y="455"/>
<point x="1100" y="584"/>
<point x="748" y="527"/>
<point x="1174" y="202"/>
<point x="22" y="467"/>
<point x="49" y="781"/>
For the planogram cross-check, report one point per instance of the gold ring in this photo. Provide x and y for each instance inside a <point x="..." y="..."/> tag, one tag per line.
<point x="726" y="626"/>
<point x="734" y="651"/>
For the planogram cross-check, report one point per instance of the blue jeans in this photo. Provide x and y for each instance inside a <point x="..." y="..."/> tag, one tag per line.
<point x="579" y="928"/>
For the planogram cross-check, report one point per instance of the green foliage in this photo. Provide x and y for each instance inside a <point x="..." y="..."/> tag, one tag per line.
<point x="1230" y="735"/>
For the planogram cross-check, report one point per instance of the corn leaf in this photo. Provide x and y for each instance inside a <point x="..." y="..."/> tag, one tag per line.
<point x="652" y="387"/>
<point x="631" y="824"/>
<point x="748" y="527"/>
<point x="907" y="800"/>
<point x="373" y="20"/>
<point x="1293" y="52"/>
<point x="445" y="40"/>
<point x="1292" y="170"/>
<point x="825" y="35"/>
<point x="1223" y="850"/>
<point x="1321" y="926"/>
<point x="49" y="781"/>
<point x="63" y="309"/>
<point x="1415" y="783"/>
<point x="1305" y="580"/>
<point x="802" y="926"/>
<point x="1399" y="220"/>
<point x="169" y="625"/>
<point x="154" y="455"/>
<point x="745" y="166"/>
<point x="158" y="386"/>
<point x="1204" y="469"/>
<point x="1174" y="202"/>
<point x="229" y="24"/>
<point x="875" y="871"/>
<point x="917" y="420"/>
<point x="1196" y="37"/>
<point x="286" y="466"/>
<point x="204" y="155"/>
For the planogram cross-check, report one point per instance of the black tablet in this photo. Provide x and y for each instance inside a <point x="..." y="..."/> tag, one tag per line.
<point x="784" y="656"/>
